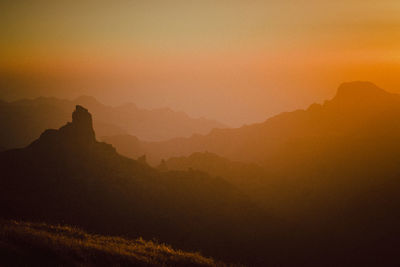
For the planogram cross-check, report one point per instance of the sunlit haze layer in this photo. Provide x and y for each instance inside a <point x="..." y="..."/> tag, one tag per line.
<point x="235" y="61"/>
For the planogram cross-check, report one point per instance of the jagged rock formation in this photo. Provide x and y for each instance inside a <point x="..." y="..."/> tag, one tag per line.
<point x="78" y="134"/>
<point x="82" y="121"/>
<point x="26" y="119"/>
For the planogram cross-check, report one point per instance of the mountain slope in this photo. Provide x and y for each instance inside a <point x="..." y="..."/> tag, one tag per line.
<point x="34" y="244"/>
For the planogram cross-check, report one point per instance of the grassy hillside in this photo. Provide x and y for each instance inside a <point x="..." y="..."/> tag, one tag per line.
<point x="23" y="243"/>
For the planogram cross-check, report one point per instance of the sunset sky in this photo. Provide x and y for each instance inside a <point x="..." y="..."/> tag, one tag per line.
<point x="234" y="61"/>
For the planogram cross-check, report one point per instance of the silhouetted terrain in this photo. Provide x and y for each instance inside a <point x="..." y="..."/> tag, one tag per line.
<point x="315" y="187"/>
<point x="332" y="170"/>
<point x="357" y="108"/>
<point x="26" y="119"/>
<point x="34" y="244"/>
<point x="67" y="176"/>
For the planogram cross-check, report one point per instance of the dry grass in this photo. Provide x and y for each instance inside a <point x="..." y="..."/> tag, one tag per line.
<point x="23" y="243"/>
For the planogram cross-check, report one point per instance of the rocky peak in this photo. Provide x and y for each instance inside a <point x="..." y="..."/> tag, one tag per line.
<point x="359" y="90"/>
<point x="79" y="131"/>
<point x="82" y="121"/>
<point x="81" y="127"/>
<point x="363" y="98"/>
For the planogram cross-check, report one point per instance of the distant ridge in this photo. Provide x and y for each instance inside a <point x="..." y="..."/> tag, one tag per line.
<point x="356" y="104"/>
<point x="26" y="119"/>
<point x="332" y="170"/>
<point x="359" y="89"/>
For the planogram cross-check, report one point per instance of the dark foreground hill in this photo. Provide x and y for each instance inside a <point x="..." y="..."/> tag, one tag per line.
<point x="39" y="244"/>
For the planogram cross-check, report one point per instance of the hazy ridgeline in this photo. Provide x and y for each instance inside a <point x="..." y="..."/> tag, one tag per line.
<point x="315" y="187"/>
<point x="26" y="119"/>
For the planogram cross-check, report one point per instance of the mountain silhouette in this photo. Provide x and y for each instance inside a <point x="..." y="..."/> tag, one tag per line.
<point x="314" y="187"/>
<point x="79" y="131"/>
<point x="356" y="107"/>
<point x="26" y="119"/>
<point x="360" y="92"/>
<point x="332" y="170"/>
<point x="67" y="176"/>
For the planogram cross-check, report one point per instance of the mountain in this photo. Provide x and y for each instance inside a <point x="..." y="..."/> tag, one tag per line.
<point x="331" y="170"/>
<point x="153" y="125"/>
<point x="66" y="176"/>
<point x="315" y="187"/>
<point x="26" y="119"/>
<point x="359" y="108"/>
<point x="305" y="159"/>
<point x="39" y="244"/>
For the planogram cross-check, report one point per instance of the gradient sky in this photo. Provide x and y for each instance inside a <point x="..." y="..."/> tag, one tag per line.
<point x="235" y="61"/>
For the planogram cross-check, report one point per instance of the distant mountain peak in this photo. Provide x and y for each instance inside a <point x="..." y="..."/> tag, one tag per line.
<point x="357" y="89"/>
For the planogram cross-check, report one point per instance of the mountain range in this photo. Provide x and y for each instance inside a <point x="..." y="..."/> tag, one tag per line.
<point x="26" y="119"/>
<point x="332" y="169"/>
<point x="66" y="176"/>
<point x="314" y="187"/>
<point x="360" y="110"/>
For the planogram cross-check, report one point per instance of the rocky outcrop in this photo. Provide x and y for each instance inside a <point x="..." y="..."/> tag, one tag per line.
<point x="76" y="135"/>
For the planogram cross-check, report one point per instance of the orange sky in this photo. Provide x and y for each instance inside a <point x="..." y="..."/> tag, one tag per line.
<point x="235" y="61"/>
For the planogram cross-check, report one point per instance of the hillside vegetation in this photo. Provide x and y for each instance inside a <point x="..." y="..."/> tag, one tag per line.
<point x="23" y="243"/>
